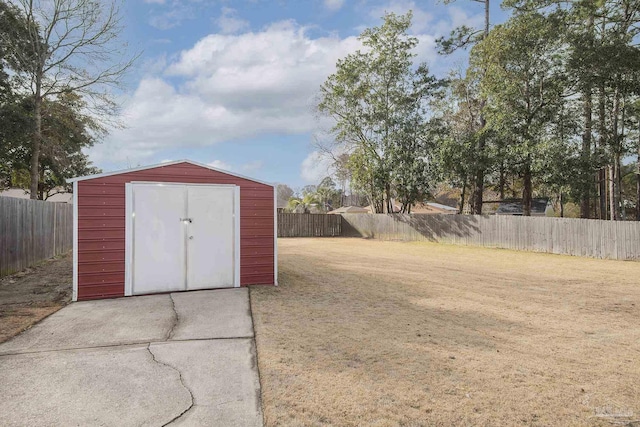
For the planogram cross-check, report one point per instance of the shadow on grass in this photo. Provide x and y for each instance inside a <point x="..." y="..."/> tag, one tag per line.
<point x="430" y="227"/>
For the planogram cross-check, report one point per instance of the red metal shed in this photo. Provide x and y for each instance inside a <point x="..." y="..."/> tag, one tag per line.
<point x="170" y="227"/>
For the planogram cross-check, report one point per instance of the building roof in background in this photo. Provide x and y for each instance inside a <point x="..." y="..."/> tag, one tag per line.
<point x="19" y="193"/>
<point x="514" y="207"/>
<point x="349" y="209"/>
<point x="442" y="207"/>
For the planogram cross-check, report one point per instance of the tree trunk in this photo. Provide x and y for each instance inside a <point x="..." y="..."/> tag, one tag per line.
<point x="612" y="195"/>
<point x="36" y="144"/>
<point x="527" y="190"/>
<point x="638" y="179"/>
<point x="478" y="188"/>
<point x="614" y="200"/>
<point x="41" y="195"/>
<point x="602" y="177"/>
<point x="586" y="140"/>
<point x="618" y="175"/>
<point x="502" y="182"/>
<point x="585" y="207"/>
<point x="387" y="191"/>
<point x="464" y="190"/>
<point x="561" y="205"/>
<point x="638" y="190"/>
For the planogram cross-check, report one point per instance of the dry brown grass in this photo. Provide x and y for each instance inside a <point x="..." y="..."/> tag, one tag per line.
<point x="33" y="294"/>
<point x="383" y="334"/>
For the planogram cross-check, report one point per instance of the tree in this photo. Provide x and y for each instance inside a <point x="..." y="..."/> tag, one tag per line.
<point x="304" y="203"/>
<point x="378" y="99"/>
<point x="71" y="46"/>
<point x="603" y="65"/>
<point x="521" y="69"/>
<point x="14" y="119"/>
<point x="328" y="194"/>
<point x="66" y="131"/>
<point x="463" y="37"/>
<point x="284" y="193"/>
<point x="459" y="123"/>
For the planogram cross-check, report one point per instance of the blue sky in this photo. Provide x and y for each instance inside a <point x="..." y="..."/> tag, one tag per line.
<point x="232" y="83"/>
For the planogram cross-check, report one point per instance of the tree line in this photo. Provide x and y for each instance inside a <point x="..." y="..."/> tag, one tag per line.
<point x="548" y="105"/>
<point x="60" y="61"/>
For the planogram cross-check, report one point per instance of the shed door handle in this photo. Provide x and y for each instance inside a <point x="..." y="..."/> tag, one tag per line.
<point x="190" y="220"/>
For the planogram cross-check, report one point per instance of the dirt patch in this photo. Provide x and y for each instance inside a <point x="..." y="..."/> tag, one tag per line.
<point x="364" y="332"/>
<point x="30" y="295"/>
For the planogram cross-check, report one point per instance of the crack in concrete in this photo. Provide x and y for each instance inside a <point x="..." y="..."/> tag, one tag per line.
<point x="184" y="385"/>
<point x="254" y="360"/>
<point x="115" y="345"/>
<point x="176" y="318"/>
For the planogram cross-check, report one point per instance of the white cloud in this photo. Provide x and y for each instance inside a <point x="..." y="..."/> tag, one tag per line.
<point x="252" y="166"/>
<point x="333" y="5"/>
<point x="154" y="66"/>
<point x="423" y="23"/>
<point x="315" y="167"/>
<point x="171" y="18"/>
<point x="249" y="167"/>
<point x="229" y="23"/>
<point x="169" y="14"/>
<point x="229" y="87"/>
<point x="460" y="17"/>
<point x="421" y="19"/>
<point x="219" y="164"/>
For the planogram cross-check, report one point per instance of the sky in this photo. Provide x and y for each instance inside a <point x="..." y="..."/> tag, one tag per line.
<point x="233" y="84"/>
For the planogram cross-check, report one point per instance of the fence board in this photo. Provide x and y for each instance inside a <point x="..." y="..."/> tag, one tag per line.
<point x="31" y="231"/>
<point x="580" y="237"/>
<point x="309" y="225"/>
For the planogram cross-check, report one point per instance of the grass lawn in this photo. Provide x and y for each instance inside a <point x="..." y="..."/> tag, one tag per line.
<point x="374" y="333"/>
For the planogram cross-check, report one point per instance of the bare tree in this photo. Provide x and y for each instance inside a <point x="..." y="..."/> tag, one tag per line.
<point x="71" y="46"/>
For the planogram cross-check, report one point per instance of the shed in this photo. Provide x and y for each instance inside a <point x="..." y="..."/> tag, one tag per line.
<point x="170" y="227"/>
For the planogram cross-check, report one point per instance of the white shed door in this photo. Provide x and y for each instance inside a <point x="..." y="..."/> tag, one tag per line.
<point x="184" y="237"/>
<point x="158" y="238"/>
<point x="210" y="254"/>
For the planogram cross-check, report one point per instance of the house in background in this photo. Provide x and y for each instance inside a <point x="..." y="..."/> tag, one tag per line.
<point x="433" y="208"/>
<point x="19" y="193"/>
<point x="282" y="205"/>
<point x="420" y="208"/>
<point x="348" y="210"/>
<point x="539" y="207"/>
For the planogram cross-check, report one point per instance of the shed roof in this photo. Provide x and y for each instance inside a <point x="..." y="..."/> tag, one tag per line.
<point x="141" y="168"/>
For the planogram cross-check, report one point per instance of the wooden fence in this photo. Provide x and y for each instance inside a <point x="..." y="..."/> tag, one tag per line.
<point x="581" y="237"/>
<point x="309" y="225"/>
<point x="31" y="231"/>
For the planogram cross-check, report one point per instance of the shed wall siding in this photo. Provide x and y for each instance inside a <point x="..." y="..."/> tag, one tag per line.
<point x="101" y="227"/>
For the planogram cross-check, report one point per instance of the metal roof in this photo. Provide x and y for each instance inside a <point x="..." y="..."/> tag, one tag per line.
<point x="514" y="207"/>
<point x="441" y="206"/>
<point x="141" y="168"/>
<point x="348" y="209"/>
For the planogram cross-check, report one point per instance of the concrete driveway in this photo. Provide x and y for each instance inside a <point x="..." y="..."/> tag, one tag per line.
<point x="175" y="359"/>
